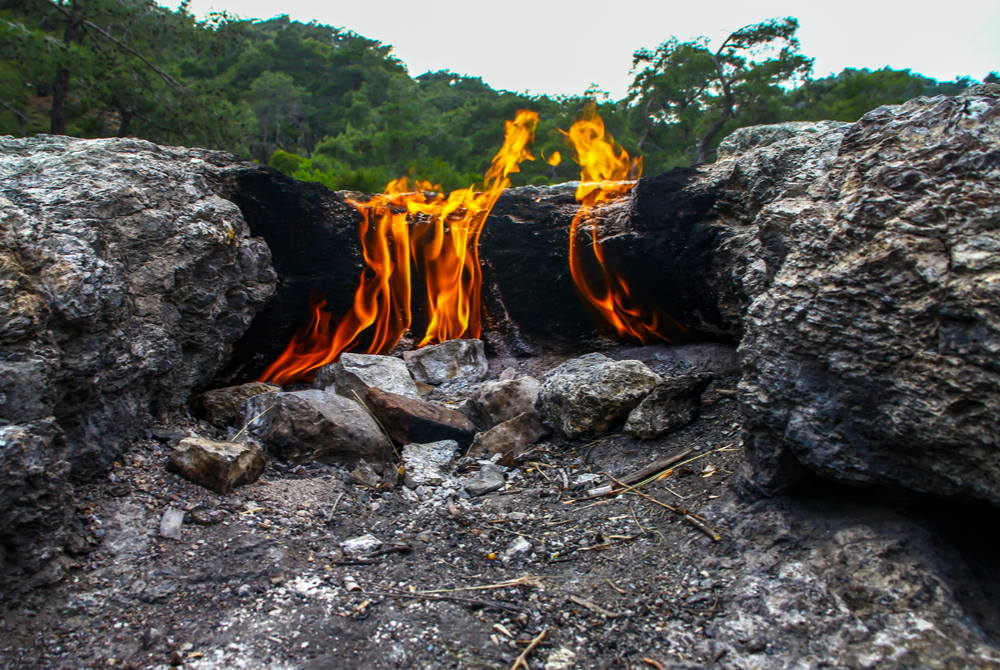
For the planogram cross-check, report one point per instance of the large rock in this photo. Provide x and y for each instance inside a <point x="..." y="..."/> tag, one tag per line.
<point x="412" y="420"/>
<point x="498" y="401"/>
<point x="451" y="361"/>
<point x="219" y="466"/>
<point x="354" y="374"/>
<point x="428" y="464"/>
<point x="592" y="394"/>
<point x="314" y="425"/>
<point x="126" y="279"/>
<point x="872" y="282"/>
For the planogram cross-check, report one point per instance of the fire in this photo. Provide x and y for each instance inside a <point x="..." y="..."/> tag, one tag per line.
<point x="443" y="244"/>
<point x="607" y="173"/>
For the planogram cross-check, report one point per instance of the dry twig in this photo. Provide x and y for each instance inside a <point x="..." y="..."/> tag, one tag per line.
<point x="687" y="516"/>
<point x="522" y="660"/>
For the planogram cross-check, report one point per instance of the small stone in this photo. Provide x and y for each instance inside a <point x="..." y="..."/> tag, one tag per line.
<point x="364" y="475"/>
<point x="671" y="405"/>
<point x="489" y="478"/>
<point x="449" y="361"/>
<point x="218" y="466"/>
<point x="562" y="658"/>
<point x="206" y="516"/>
<point x="170" y="523"/>
<point x="509" y="437"/>
<point x="359" y="546"/>
<point x="517" y="548"/>
<point x="354" y="374"/>
<point x="508" y="373"/>
<point x="426" y="464"/>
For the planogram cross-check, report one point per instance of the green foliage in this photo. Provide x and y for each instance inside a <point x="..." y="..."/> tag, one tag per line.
<point x="327" y="105"/>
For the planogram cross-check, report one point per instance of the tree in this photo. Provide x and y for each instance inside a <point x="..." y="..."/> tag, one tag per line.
<point x="684" y="91"/>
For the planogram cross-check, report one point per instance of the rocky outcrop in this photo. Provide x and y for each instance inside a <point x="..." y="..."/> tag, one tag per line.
<point x="867" y="260"/>
<point x="126" y="279"/>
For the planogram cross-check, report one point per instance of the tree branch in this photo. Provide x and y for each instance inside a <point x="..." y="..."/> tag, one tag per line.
<point x="124" y="47"/>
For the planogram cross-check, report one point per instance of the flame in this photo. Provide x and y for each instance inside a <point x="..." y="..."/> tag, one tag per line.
<point x="554" y="159"/>
<point x="607" y="173"/>
<point x="443" y="244"/>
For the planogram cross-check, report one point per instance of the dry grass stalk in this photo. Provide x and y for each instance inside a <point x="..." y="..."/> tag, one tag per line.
<point x="522" y="660"/>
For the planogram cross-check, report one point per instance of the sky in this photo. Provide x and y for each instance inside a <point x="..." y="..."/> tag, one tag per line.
<point x="559" y="47"/>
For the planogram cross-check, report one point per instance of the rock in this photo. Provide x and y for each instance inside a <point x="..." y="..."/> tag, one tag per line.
<point x="126" y="281"/>
<point x="562" y="658"/>
<point x="489" y="478"/>
<point x="872" y="322"/>
<point x="356" y="373"/>
<point x="672" y="404"/>
<point x="314" y="425"/>
<point x="495" y="402"/>
<point x="359" y="546"/>
<point x="454" y="360"/>
<point x="224" y="407"/>
<point x="364" y="475"/>
<point x="519" y="547"/>
<point x="427" y="464"/>
<point x="409" y="420"/>
<point x="510" y="437"/>
<point x="35" y="494"/>
<point x="590" y="395"/>
<point x="170" y="523"/>
<point x="218" y="466"/>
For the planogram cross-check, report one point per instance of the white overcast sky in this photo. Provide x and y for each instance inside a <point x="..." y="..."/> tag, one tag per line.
<point x="559" y="47"/>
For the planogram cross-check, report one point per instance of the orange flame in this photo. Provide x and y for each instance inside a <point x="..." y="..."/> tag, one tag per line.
<point x="554" y="159"/>
<point x="604" y="171"/>
<point x="444" y="245"/>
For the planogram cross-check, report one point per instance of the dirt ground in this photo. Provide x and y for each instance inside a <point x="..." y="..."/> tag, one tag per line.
<point x="259" y="578"/>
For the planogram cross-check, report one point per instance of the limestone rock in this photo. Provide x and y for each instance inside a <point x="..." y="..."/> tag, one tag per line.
<point x="498" y="401"/>
<point x="126" y="281"/>
<point x="510" y="437"/>
<point x="590" y="395"/>
<point x="224" y="407"/>
<point x="409" y="420"/>
<point x="872" y="323"/>
<point x="356" y="373"/>
<point x="454" y="360"/>
<point x="314" y="425"/>
<point x="218" y="466"/>
<point x="427" y="464"/>
<point x="671" y="405"/>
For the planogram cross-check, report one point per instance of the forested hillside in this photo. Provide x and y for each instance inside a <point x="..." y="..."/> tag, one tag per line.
<point x="327" y="104"/>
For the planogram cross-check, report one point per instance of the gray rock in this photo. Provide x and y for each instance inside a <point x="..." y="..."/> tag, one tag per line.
<point x="671" y="405"/>
<point x="489" y="478"/>
<point x="314" y="425"/>
<point x="872" y="318"/>
<point x="427" y="464"/>
<point x="519" y="547"/>
<point x="224" y="407"/>
<point x="361" y="545"/>
<point x="356" y="373"/>
<point x="510" y="437"/>
<point x="35" y="495"/>
<point x="218" y="466"/>
<point x="171" y="522"/>
<point x="126" y="281"/>
<point x="364" y="474"/>
<point x="498" y="401"/>
<point x="454" y="360"/>
<point x="590" y="395"/>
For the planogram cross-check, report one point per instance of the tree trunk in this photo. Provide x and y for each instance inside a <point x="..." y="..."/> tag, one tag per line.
<point x="60" y="87"/>
<point x="705" y="144"/>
